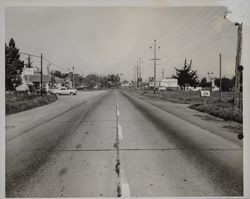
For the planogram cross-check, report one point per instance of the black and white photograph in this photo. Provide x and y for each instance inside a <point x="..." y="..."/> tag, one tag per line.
<point x="125" y="100"/>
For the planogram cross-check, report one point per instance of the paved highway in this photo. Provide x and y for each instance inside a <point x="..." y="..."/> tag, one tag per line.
<point x="112" y="143"/>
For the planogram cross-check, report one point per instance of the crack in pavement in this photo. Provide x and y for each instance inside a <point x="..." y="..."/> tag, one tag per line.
<point x="117" y="145"/>
<point x="160" y="149"/>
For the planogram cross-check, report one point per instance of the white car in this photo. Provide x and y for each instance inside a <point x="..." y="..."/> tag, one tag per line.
<point x="64" y="91"/>
<point x="162" y="88"/>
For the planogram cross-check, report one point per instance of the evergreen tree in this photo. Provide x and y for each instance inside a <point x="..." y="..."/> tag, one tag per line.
<point x="186" y="75"/>
<point x="13" y="66"/>
<point x="204" y="83"/>
<point x="227" y="84"/>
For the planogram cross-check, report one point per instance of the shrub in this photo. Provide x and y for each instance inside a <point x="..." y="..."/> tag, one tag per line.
<point x="17" y="102"/>
<point x="221" y="111"/>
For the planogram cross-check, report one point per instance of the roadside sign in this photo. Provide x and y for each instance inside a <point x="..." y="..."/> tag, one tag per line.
<point x="205" y="93"/>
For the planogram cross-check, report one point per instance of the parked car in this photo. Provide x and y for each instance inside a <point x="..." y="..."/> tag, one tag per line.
<point x="162" y="88"/>
<point x="64" y="91"/>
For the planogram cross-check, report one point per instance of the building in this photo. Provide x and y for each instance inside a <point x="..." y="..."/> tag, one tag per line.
<point x="151" y="84"/>
<point x="170" y="83"/>
<point x="32" y="78"/>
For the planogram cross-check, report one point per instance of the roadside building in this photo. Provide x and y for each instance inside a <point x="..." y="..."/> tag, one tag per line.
<point x="170" y="84"/>
<point x="35" y="80"/>
<point x="151" y="84"/>
<point x="125" y="84"/>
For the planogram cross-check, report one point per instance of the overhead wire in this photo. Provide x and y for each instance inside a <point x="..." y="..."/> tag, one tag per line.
<point x="206" y="40"/>
<point x="44" y="58"/>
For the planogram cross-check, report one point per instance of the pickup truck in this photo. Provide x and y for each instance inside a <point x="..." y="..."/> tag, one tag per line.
<point x="64" y="91"/>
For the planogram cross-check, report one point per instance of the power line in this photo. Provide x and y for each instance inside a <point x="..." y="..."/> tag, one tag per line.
<point x="55" y="64"/>
<point x="30" y="54"/>
<point x="204" y="28"/>
<point x="209" y="40"/>
<point x="50" y="62"/>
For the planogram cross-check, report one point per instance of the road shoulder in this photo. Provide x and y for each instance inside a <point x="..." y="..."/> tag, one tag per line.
<point x="226" y="129"/>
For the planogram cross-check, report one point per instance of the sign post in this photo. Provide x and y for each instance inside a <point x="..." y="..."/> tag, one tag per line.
<point x="205" y="94"/>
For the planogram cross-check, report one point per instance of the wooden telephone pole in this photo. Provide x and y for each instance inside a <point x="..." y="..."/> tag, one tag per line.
<point x="238" y="68"/>
<point x="41" y="75"/>
<point x="220" y="81"/>
<point x="155" y="59"/>
<point x="137" y="75"/>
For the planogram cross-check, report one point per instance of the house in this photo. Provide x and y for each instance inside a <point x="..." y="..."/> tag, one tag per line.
<point x="35" y="80"/>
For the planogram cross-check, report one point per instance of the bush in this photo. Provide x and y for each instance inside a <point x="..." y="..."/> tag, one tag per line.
<point x="220" y="110"/>
<point x="16" y="102"/>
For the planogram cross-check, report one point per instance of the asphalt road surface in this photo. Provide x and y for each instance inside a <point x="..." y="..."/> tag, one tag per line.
<point x="111" y="144"/>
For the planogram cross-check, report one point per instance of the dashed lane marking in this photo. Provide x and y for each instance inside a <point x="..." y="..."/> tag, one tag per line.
<point x="125" y="190"/>
<point x="120" y="135"/>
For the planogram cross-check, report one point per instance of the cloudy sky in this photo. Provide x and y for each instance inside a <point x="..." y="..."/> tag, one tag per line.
<point x="111" y="39"/>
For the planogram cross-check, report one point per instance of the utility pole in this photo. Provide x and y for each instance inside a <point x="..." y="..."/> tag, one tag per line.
<point x="238" y="68"/>
<point x="220" y="81"/>
<point x="73" y="77"/>
<point x="162" y="74"/>
<point x="140" y="63"/>
<point x="210" y="76"/>
<point x="29" y="66"/>
<point x="41" y="75"/>
<point x="134" y="75"/>
<point x="155" y="63"/>
<point x="137" y="74"/>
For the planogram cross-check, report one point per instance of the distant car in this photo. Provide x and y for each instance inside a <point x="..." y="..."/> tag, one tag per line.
<point x="64" y="91"/>
<point x="162" y="88"/>
<point x="82" y="87"/>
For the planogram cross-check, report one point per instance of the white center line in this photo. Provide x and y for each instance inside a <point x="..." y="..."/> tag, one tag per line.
<point x="120" y="136"/>
<point x="125" y="190"/>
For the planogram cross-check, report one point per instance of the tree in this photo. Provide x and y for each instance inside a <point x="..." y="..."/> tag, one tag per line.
<point x="104" y="81"/>
<point x="204" y="83"/>
<point x="13" y="66"/>
<point x="58" y="73"/>
<point x="114" y="78"/>
<point x="186" y="75"/>
<point x="227" y="84"/>
<point x="92" y="80"/>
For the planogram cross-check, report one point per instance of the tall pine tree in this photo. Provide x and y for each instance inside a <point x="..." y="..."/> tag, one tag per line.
<point x="13" y="66"/>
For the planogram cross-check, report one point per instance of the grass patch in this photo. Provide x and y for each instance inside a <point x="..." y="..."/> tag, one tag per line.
<point x="16" y="102"/>
<point x="222" y="109"/>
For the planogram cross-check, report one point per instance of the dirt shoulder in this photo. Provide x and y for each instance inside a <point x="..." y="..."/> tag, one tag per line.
<point x="222" y="109"/>
<point x="218" y="126"/>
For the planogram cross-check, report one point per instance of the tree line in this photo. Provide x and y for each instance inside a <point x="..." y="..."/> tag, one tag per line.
<point x="187" y="76"/>
<point x="14" y="68"/>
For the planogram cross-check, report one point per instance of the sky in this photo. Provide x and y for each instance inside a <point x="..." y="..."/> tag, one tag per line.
<point x="106" y="40"/>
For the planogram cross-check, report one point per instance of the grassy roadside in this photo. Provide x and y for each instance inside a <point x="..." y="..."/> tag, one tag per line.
<point x="222" y="109"/>
<point x="16" y="102"/>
